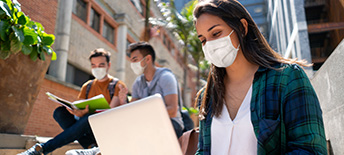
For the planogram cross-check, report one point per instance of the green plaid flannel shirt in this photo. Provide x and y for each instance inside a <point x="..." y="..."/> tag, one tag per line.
<point x="285" y="114"/>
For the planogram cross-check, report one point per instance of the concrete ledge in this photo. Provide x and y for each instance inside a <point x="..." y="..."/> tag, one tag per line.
<point x="11" y="151"/>
<point x="12" y="144"/>
<point x="329" y="86"/>
<point x="9" y="141"/>
<point x="59" y="151"/>
<point x="49" y="77"/>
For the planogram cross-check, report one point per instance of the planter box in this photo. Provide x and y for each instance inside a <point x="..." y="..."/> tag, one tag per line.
<point x="20" y="80"/>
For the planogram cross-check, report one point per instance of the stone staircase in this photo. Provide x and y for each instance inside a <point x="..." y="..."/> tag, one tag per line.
<point x="11" y="144"/>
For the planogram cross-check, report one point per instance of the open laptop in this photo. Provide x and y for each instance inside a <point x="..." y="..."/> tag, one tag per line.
<point x="142" y="127"/>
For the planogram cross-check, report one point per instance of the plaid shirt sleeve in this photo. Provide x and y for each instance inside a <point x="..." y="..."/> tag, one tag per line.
<point x="286" y="113"/>
<point x="204" y="138"/>
<point x="302" y="114"/>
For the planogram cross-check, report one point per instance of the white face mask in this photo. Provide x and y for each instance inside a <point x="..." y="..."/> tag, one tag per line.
<point x="99" y="73"/>
<point x="137" y="68"/>
<point x="220" y="52"/>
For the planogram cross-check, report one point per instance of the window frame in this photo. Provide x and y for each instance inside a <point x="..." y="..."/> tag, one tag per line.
<point x="103" y="16"/>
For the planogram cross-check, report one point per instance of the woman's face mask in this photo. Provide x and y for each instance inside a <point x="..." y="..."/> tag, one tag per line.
<point x="137" y="68"/>
<point x="99" y="73"/>
<point x="220" y="52"/>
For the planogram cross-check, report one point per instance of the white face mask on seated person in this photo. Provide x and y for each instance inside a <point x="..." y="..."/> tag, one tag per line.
<point x="99" y="73"/>
<point x="137" y="68"/>
<point x="220" y="52"/>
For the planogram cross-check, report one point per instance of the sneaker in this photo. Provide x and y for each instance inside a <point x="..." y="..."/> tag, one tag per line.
<point x="34" y="150"/>
<point x="92" y="151"/>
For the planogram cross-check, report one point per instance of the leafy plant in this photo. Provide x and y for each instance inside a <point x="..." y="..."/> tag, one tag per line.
<point x="191" y="110"/>
<point x="182" y="25"/>
<point x="19" y="34"/>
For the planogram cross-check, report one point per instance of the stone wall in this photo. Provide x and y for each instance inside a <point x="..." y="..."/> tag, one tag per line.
<point x="329" y="86"/>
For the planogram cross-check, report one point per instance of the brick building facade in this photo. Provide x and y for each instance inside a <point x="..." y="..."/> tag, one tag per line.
<point x="85" y="37"/>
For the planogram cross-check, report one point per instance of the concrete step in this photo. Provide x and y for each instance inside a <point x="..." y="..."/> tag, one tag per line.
<point x="11" y="144"/>
<point x="10" y="151"/>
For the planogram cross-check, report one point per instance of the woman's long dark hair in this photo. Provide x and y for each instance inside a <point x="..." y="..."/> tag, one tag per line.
<point x="254" y="48"/>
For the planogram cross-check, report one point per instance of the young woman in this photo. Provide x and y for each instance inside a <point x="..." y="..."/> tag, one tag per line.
<point x="255" y="102"/>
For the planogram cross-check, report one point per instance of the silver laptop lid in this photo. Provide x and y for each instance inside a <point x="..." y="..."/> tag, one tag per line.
<point x="142" y="127"/>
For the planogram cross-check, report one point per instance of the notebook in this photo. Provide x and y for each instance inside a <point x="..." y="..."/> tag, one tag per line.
<point x="141" y="127"/>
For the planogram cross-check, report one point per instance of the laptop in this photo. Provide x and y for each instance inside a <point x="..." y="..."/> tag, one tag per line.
<point x="141" y="127"/>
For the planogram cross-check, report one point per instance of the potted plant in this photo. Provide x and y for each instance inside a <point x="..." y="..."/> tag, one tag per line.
<point x="25" y="54"/>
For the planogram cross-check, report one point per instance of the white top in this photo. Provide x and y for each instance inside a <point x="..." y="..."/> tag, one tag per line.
<point x="234" y="137"/>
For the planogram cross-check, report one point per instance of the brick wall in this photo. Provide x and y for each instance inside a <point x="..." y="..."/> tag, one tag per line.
<point x="41" y="121"/>
<point x="42" y="11"/>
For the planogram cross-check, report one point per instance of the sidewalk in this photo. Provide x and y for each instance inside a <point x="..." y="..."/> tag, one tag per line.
<point x="11" y="144"/>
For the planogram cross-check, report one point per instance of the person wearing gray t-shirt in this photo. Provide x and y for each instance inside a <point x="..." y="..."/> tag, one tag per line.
<point x="154" y="80"/>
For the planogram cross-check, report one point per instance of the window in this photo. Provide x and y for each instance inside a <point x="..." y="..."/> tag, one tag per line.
<point x="173" y="52"/>
<point x="77" y="76"/>
<point x="169" y="45"/>
<point x="79" y="9"/>
<point x="128" y="43"/>
<point x="164" y="40"/>
<point x="139" y="6"/>
<point x="143" y="8"/>
<point x="108" y="32"/>
<point x="94" y="19"/>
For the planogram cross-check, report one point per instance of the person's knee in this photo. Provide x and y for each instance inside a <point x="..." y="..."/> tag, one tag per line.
<point x="59" y="113"/>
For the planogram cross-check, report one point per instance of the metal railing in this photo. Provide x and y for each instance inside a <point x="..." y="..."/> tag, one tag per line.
<point x="285" y="29"/>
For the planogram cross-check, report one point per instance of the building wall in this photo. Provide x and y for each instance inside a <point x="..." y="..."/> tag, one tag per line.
<point x="336" y="13"/>
<point x="329" y="86"/>
<point x="83" y="39"/>
<point x="288" y="29"/>
<point x="136" y="22"/>
<point x="79" y="49"/>
<point x="41" y="121"/>
<point x="42" y="11"/>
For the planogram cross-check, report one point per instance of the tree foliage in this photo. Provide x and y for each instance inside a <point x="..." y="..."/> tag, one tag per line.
<point x="182" y="25"/>
<point x="19" y="34"/>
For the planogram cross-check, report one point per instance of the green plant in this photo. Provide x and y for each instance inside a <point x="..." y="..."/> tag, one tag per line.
<point x="191" y="110"/>
<point x="19" y="33"/>
<point x="182" y="25"/>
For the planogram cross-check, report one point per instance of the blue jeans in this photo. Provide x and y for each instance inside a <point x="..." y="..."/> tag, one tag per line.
<point x="73" y="130"/>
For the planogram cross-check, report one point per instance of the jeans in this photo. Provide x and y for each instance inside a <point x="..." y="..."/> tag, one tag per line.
<point x="73" y="130"/>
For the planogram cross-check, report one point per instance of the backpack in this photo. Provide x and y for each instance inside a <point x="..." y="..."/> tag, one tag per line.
<point x="187" y="121"/>
<point x="111" y="87"/>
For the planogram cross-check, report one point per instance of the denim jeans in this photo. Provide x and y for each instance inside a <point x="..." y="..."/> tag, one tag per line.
<point x="73" y="130"/>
